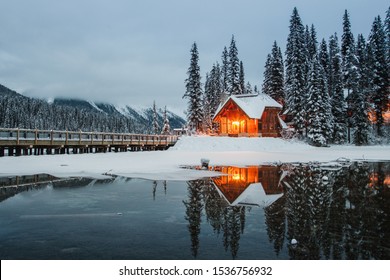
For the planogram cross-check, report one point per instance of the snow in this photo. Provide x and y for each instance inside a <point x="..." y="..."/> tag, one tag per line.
<point x="95" y="106"/>
<point x="189" y="150"/>
<point x="252" y="105"/>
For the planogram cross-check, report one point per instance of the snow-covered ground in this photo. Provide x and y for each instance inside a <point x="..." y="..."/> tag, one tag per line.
<point x="165" y="165"/>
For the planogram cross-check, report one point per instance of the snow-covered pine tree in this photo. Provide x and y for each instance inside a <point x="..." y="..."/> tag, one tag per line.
<point x="156" y="127"/>
<point x="295" y="82"/>
<point x="311" y="41"/>
<point x="323" y="56"/>
<point x="348" y="65"/>
<point x="234" y="69"/>
<point x="207" y="99"/>
<point x="213" y="95"/>
<point x="361" y="125"/>
<point x="387" y="32"/>
<point x="320" y="121"/>
<point x="273" y="84"/>
<point x="267" y="76"/>
<point x="248" y="88"/>
<point x="242" y="78"/>
<point x="166" y="130"/>
<point x="360" y="119"/>
<point x="335" y="89"/>
<point x="217" y="87"/>
<point x="347" y="51"/>
<point x="225" y="71"/>
<point x="194" y="92"/>
<point x="380" y="79"/>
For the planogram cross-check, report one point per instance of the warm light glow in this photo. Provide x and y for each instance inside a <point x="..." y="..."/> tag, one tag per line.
<point x="387" y="180"/>
<point x="374" y="180"/>
<point x="385" y="115"/>
<point x="236" y="175"/>
<point x="236" y="123"/>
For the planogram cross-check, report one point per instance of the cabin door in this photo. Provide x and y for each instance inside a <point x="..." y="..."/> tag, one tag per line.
<point x="235" y="127"/>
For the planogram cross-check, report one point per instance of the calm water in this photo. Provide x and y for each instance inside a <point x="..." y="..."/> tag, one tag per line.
<point x="254" y="213"/>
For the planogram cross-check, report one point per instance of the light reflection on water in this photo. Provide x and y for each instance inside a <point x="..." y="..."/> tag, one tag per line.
<point x="253" y="213"/>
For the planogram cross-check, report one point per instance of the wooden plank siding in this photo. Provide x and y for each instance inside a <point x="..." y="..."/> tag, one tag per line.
<point x="233" y="121"/>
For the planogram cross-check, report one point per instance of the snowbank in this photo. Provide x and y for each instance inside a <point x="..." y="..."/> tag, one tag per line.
<point x="165" y="165"/>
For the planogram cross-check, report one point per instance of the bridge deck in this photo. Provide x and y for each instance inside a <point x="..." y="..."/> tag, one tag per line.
<point x="28" y="141"/>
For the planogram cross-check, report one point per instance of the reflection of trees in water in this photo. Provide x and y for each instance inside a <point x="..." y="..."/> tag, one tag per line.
<point x="230" y="220"/>
<point x="275" y="220"/>
<point x="232" y="228"/>
<point x="194" y="206"/>
<point x="339" y="216"/>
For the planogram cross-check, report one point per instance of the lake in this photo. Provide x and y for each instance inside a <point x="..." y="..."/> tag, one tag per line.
<point x="285" y="211"/>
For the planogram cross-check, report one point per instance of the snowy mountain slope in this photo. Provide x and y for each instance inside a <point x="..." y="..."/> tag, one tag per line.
<point x="66" y="113"/>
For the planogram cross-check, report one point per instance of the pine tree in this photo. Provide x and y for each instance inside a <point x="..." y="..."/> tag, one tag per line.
<point x="320" y="121"/>
<point x="360" y="92"/>
<point x="296" y="73"/>
<point x="207" y="99"/>
<point x="348" y="53"/>
<point x="234" y="69"/>
<point x="324" y="57"/>
<point x="377" y="42"/>
<point x="216" y="86"/>
<point x="273" y="84"/>
<point x="212" y="95"/>
<point x="348" y="65"/>
<point x="194" y="92"/>
<point x="166" y="130"/>
<point x="335" y="88"/>
<point x="225" y="71"/>
<point x="248" y="88"/>
<point x="311" y="41"/>
<point x="242" y="78"/>
<point x="267" y="76"/>
<point x="156" y="127"/>
<point x="387" y="32"/>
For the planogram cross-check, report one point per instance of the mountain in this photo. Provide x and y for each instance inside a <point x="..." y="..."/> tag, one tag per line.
<point x="17" y="110"/>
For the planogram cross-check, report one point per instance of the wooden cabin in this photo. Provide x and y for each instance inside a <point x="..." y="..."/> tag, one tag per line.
<point x="249" y="115"/>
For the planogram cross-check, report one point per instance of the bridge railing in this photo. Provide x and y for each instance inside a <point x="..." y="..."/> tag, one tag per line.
<point x="19" y="137"/>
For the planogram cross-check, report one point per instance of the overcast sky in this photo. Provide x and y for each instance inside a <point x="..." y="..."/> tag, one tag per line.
<point x="136" y="51"/>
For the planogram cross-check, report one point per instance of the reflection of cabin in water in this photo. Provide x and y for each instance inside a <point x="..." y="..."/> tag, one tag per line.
<point x="249" y="115"/>
<point x="255" y="185"/>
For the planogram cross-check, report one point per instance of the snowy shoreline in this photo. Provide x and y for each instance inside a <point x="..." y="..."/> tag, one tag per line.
<point x="166" y="165"/>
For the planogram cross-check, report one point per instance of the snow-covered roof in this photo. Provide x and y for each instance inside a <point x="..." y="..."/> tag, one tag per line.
<point x="252" y="105"/>
<point x="254" y="195"/>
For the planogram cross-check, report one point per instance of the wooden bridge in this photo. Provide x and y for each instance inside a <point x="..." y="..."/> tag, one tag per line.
<point x="38" y="142"/>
